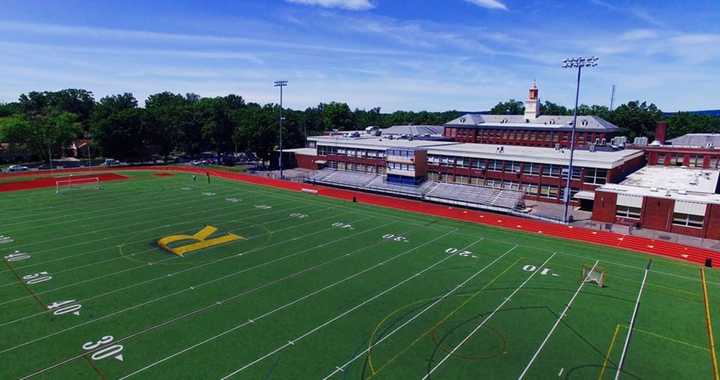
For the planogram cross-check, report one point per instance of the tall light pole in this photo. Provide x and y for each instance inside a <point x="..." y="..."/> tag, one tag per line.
<point x="281" y="84"/>
<point x="574" y="63"/>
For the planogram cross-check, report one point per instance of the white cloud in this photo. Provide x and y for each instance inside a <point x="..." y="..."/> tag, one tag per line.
<point x="353" y="5"/>
<point x="490" y="4"/>
<point x="639" y="34"/>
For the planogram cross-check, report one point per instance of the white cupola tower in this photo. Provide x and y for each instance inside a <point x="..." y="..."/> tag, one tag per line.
<point x="532" y="104"/>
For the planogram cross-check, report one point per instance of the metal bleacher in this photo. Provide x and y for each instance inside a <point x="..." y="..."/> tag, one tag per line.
<point x="475" y="196"/>
<point x="463" y="195"/>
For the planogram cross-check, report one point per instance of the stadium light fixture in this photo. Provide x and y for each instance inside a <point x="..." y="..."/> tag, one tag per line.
<point x="574" y="63"/>
<point x="281" y="84"/>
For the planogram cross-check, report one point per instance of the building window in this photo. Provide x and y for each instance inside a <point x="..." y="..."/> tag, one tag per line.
<point x="495" y="165"/>
<point x="551" y="170"/>
<point x="595" y="176"/>
<point x="549" y="191"/>
<point x="627" y="212"/>
<point x="530" y="168"/>
<point x="514" y="167"/>
<point x="687" y="220"/>
<point x="696" y="161"/>
<point x="576" y="172"/>
<point x="677" y="160"/>
<point x="714" y="161"/>
<point x="661" y="159"/>
<point x="531" y="189"/>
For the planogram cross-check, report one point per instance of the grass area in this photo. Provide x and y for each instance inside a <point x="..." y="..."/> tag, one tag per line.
<point x="321" y="287"/>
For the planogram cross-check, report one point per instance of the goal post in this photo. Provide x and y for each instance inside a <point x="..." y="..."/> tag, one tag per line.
<point x="594" y="275"/>
<point x="77" y="183"/>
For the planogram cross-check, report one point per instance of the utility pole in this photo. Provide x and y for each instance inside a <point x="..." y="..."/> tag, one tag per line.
<point x="281" y="84"/>
<point x="574" y="63"/>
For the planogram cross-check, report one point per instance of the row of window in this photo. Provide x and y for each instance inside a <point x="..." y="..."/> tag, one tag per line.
<point x="356" y="167"/>
<point x="591" y="175"/>
<point x="679" y="219"/>
<point x="350" y="152"/>
<point x="400" y="166"/>
<point x="401" y="152"/>
<point x="693" y="160"/>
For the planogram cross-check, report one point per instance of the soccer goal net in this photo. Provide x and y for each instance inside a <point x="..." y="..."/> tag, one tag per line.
<point x="593" y="275"/>
<point x="77" y="183"/>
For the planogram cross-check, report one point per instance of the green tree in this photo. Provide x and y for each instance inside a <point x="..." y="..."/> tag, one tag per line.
<point x="337" y="116"/>
<point x="636" y="118"/>
<point x="510" y="107"/>
<point x="683" y="123"/>
<point x="550" y="108"/>
<point x="44" y="135"/>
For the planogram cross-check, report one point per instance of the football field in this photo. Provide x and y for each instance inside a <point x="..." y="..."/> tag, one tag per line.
<point x="309" y="287"/>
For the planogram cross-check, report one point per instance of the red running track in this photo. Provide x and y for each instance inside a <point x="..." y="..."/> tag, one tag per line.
<point x="49" y="181"/>
<point x="604" y="238"/>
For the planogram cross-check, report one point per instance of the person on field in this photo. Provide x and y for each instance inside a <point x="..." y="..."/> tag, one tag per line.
<point x="208" y="176"/>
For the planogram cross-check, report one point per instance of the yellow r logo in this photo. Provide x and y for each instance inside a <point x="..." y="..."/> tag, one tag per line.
<point x="200" y="238"/>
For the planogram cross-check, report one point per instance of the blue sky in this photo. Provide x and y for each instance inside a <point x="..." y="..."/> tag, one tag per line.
<point x="395" y="54"/>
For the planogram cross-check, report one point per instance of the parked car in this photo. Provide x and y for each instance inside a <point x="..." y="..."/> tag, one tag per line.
<point x="113" y="162"/>
<point x="17" y="168"/>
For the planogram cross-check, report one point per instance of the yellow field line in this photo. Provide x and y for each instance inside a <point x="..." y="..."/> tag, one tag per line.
<point x="708" y="325"/>
<point x="375" y="372"/>
<point x="610" y="347"/>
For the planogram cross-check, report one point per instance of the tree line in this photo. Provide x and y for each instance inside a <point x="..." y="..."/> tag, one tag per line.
<point x="43" y="124"/>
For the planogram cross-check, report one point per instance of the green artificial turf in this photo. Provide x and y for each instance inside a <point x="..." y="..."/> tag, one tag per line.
<point x="321" y="286"/>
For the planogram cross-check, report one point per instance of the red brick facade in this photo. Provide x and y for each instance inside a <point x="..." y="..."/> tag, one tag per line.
<point x="683" y="156"/>
<point x="656" y="214"/>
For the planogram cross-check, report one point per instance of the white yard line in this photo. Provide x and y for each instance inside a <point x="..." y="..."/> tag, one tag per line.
<point x="185" y="289"/>
<point x="437" y="301"/>
<point x="341" y="315"/>
<point x="113" y="248"/>
<point x="116" y="223"/>
<point x="226" y="331"/>
<point x="172" y="258"/>
<point x="631" y="325"/>
<point x="557" y="323"/>
<point x="479" y="326"/>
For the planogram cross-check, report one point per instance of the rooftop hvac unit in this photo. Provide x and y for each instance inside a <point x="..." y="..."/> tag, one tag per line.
<point x="591" y="147"/>
<point x="682" y="192"/>
<point x="654" y="189"/>
<point x="640" y="141"/>
<point x="557" y="146"/>
<point x="619" y="141"/>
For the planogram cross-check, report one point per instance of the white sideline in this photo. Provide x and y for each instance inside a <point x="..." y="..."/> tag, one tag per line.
<point x="25" y="267"/>
<point x="440" y="299"/>
<point x="557" y="322"/>
<point x="266" y="314"/>
<point x="221" y="334"/>
<point x="346" y="312"/>
<point x="631" y="326"/>
<point x="168" y="275"/>
<point x="479" y="326"/>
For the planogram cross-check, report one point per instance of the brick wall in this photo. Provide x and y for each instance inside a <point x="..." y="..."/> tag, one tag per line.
<point x="657" y="213"/>
<point x="604" y="207"/>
